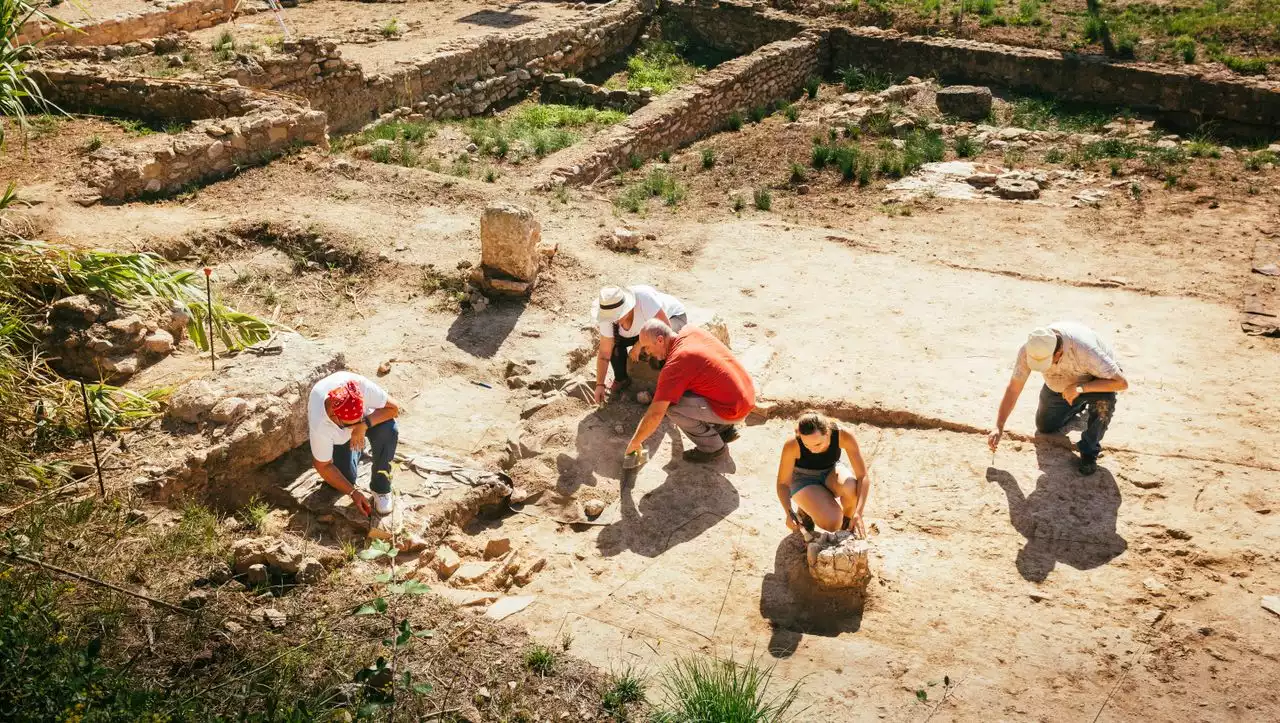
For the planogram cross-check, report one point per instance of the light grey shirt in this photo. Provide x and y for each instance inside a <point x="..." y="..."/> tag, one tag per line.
<point x="1085" y="357"/>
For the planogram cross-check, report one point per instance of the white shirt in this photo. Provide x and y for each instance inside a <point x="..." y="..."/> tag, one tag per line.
<point x="1085" y="357"/>
<point x="649" y="301"/>
<point x="325" y="435"/>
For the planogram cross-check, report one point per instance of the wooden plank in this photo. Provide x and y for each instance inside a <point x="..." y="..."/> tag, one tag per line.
<point x="1260" y="310"/>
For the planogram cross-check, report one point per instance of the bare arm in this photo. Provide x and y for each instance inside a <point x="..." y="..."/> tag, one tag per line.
<point x="648" y="424"/>
<point x="786" y="470"/>
<point x="850" y="446"/>
<point x="1007" y="403"/>
<point x="603" y="353"/>
<point x="332" y="476"/>
<point x="1116" y="384"/>
<point x="390" y="410"/>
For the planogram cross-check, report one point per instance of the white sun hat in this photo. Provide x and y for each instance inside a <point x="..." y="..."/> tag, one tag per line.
<point x="613" y="304"/>
<point x="1041" y="344"/>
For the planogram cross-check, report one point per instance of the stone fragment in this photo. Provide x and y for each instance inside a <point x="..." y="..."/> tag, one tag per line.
<point x="838" y="560"/>
<point x="521" y="446"/>
<point x="1271" y="603"/>
<point x="1017" y="189"/>
<point x="508" y="606"/>
<point x="509" y="237"/>
<point x="593" y="507"/>
<point x="256" y="575"/>
<point x="1177" y="534"/>
<point x="497" y="547"/>
<point x="228" y="410"/>
<point x="623" y="240"/>
<point x="471" y="572"/>
<point x="446" y="562"/>
<point x="1155" y="587"/>
<point x="158" y="342"/>
<point x="268" y="616"/>
<point x="195" y="599"/>
<point x="967" y="102"/>
<point x="310" y="571"/>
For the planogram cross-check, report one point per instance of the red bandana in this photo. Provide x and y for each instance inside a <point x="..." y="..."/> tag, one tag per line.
<point x="347" y="403"/>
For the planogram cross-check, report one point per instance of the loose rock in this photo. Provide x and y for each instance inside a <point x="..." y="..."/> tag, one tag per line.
<point x="838" y="560"/>
<point x="967" y="102"/>
<point x="593" y="508"/>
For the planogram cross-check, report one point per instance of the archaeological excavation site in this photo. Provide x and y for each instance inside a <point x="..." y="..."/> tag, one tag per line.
<point x="641" y="360"/>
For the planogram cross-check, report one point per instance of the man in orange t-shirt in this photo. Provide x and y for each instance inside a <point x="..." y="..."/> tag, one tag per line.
<point x="702" y="388"/>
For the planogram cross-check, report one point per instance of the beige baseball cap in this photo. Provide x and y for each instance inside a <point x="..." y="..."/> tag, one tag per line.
<point x="1041" y="343"/>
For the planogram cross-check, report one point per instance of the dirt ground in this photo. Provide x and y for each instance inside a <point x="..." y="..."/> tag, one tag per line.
<point x="1037" y="594"/>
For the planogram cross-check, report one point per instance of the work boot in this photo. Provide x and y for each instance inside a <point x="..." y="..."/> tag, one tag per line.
<point x="1088" y="465"/>
<point x="729" y="434"/>
<point x="697" y="456"/>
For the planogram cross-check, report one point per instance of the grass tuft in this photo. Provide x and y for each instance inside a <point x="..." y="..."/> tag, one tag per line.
<point x="540" y="659"/>
<point x="763" y="199"/>
<point x="707" y="689"/>
<point x="708" y="158"/>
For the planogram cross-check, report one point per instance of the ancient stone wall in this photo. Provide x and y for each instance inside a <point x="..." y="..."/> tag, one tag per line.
<point x="574" y="91"/>
<point x="163" y="18"/>
<point x="463" y="78"/>
<point x="1235" y="105"/>
<point x="234" y="127"/>
<point x="774" y="72"/>
<point x="731" y="27"/>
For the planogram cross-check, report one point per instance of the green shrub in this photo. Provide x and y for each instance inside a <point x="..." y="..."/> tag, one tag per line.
<point x="659" y="67"/>
<point x="634" y="162"/>
<point x="738" y="203"/>
<point x="622" y="689"/>
<point x="763" y="199"/>
<point x="698" y="690"/>
<point x="791" y="112"/>
<point x="859" y="78"/>
<point x="758" y="114"/>
<point x="819" y="155"/>
<point x="1110" y="148"/>
<point x="1115" y="167"/>
<point x="390" y="29"/>
<point x="93" y="143"/>
<point x="1054" y="155"/>
<point x="735" y="121"/>
<point x="540" y="659"/>
<point x="1246" y="66"/>
<point x="1185" y="46"/>
<point x="845" y="158"/>
<point x="665" y="156"/>
<point x="657" y="184"/>
<point x="797" y="173"/>
<point x="811" y="85"/>
<point x="965" y="147"/>
<point x="708" y="158"/>
<point x="984" y="8"/>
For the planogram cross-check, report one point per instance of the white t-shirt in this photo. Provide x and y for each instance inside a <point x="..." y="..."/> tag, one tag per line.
<point x="325" y="435"/>
<point x="648" y="302"/>
<point x="1085" y="357"/>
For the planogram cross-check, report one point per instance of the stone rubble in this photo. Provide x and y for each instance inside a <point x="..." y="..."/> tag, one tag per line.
<point x="838" y="560"/>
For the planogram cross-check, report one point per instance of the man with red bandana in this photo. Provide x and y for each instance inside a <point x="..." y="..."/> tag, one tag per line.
<point x="344" y="410"/>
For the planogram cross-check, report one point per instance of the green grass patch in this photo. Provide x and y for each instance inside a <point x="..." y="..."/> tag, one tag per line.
<point x="540" y="659"/>
<point x="1047" y="113"/>
<point x="538" y="129"/>
<point x="859" y="78"/>
<point x="734" y="123"/>
<point x="659" y="66"/>
<point x="708" y="158"/>
<point x="763" y="199"/>
<point x="708" y="689"/>
<point x="657" y="184"/>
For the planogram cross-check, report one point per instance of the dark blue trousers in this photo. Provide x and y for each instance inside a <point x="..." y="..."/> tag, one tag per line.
<point x="1054" y="413"/>
<point x="383" y="438"/>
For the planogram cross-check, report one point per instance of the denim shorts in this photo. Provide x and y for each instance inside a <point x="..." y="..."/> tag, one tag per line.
<point x="802" y="478"/>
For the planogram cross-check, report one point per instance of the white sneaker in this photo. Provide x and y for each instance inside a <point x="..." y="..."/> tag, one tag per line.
<point x="382" y="504"/>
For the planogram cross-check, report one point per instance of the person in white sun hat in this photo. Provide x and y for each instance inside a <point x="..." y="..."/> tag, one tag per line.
<point x="1080" y="373"/>
<point x="620" y="312"/>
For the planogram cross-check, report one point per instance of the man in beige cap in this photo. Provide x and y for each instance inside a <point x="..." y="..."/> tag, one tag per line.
<point x="620" y="312"/>
<point x="1080" y="372"/>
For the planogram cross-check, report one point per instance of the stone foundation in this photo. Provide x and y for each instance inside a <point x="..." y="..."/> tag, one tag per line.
<point x="165" y="17"/>
<point x="574" y="91"/>
<point x="838" y="561"/>
<point x="773" y="73"/>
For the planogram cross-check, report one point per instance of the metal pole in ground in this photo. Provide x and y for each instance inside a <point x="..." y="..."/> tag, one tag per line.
<point x="93" y="440"/>
<point x="208" y="295"/>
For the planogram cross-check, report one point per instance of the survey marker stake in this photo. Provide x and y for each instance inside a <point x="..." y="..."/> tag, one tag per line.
<point x="93" y="439"/>
<point x="208" y="296"/>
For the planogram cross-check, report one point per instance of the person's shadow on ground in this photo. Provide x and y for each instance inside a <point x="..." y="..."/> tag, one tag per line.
<point x="1067" y="518"/>
<point x="598" y="447"/>
<point x="691" y="500"/>
<point x="481" y="335"/>
<point x="795" y="606"/>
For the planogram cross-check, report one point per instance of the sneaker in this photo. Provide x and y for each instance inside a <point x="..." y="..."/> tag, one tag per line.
<point x="729" y="434"/>
<point x="699" y="457"/>
<point x="383" y="504"/>
<point x="1088" y="465"/>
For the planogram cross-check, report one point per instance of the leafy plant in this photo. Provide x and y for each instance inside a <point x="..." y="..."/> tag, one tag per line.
<point x="811" y="85"/>
<point x="401" y="632"/>
<point x="791" y="112"/>
<point x="224" y="46"/>
<point x="665" y="156"/>
<point x="19" y="93"/>
<point x="735" y="121"/>
<point x="797" y="173"/>
<point x="860" y="78"/>
<point x="540" y="659"/>
<point x="738" y="203"/>
<point x="634" y="162"/>
<point x="622" y="689"/>
<point x="1185" y="46"/>
<point x="707" y="689"/>
<point x="763" y="199"/>
<point x="254" y="514"/>
<point x="658" y="66"/>
<point x="758" y="114"/>
<point x="1054" y="155"/>
<point x="708" y="158"/>
<point x="93" y="143"/>
<point x="658" y="184"/>
<point x="390" y="29"/>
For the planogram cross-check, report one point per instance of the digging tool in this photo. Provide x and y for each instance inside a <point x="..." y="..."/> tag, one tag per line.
<point x="631" y="465"/>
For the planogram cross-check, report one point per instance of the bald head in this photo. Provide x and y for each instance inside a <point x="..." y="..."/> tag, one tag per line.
<point x="655" y="338"/>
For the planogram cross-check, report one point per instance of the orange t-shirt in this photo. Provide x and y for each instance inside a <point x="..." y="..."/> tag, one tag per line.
<point x="700" y="364"/>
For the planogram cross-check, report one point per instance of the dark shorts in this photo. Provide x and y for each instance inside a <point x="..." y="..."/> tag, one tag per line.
<point x="802" y="478"/>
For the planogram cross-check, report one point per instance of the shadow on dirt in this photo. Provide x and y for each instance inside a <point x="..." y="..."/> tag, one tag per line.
<point x="795" y="606"/>
<point x="1066" y="518"/>
<point x="482" y="334"/>
<point x="689" y="502"/>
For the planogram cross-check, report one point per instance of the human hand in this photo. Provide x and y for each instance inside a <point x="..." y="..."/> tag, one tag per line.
<point x="357" y="438"/>
<point x="599" y="394"/>
<point x="993" y="439"/>
<point x="792" y="523"/>
<point x="633" y="447"/>
<point x="1070" y="394"/>
<point x="857" y="527"/>
<point x="361" y="502"/>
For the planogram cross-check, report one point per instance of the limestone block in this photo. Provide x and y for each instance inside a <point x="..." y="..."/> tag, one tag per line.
<point x="509" y="237"/>
<point x="838" y="560"/>
<point x="967" y="102"/>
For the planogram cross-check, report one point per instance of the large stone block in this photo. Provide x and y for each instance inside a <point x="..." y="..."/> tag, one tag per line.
<point x="509" y="237"/>
<point x="838" y="560"/>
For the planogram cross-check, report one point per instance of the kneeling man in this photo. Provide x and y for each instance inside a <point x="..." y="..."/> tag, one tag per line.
<point x="1080" y="372"/>
<point x="702" y="388"/>
<point x="342" y="411"/>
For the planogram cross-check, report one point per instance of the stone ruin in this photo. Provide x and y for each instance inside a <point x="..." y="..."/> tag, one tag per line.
<point x="92" y="338"/>
<point x="838" y="560"/>
<point x="509" y="253"/>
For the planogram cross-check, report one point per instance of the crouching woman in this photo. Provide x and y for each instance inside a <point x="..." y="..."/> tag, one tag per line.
<point x="826" y="491"/>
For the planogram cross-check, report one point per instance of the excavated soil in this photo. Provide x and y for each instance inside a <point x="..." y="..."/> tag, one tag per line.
<point x="1033" y="592"/>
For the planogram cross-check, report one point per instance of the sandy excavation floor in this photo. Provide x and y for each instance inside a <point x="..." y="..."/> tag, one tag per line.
<point x="1038" y="594"/>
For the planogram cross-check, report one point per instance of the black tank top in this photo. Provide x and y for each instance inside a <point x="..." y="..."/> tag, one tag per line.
<point x="825" y="460"/>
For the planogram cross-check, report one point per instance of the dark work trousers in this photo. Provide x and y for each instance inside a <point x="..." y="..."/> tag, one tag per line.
<point x="383" y="438"/>
<point x="1054" y="413"/>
